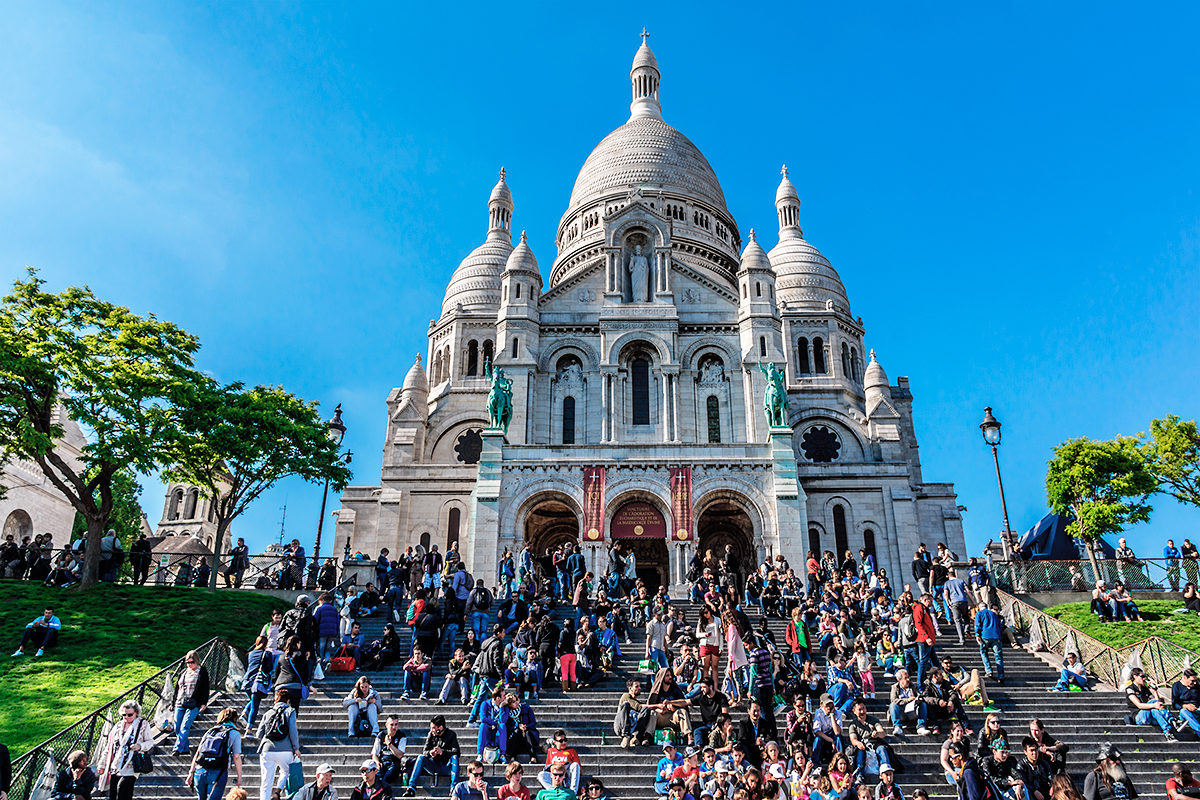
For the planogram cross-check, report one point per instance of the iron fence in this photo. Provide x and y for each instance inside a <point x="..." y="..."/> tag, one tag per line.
<point x="33" y="774"/>
<point x="1162" y="660"/>
<point x="60" y="567"/>
<point x="1144" y="574"/>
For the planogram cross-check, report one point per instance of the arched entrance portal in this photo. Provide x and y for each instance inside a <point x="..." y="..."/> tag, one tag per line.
<point x="725" y="523"/>
<point x="550" y="523"/>
<point x="640" y="527"/>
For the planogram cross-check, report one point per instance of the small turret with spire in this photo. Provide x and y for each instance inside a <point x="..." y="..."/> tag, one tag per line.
<point x="500" y="210"/>
<point x="787" y="203"/>
<point x="645" y="77"/>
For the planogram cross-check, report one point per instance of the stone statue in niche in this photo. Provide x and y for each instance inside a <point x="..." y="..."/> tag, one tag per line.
<point x="571" y="374"/>
<point x="639" y="276"/>
<point x="711" y="372"/>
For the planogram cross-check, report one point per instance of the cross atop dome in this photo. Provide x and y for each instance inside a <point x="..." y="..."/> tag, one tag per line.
<point x="645" y="34"/>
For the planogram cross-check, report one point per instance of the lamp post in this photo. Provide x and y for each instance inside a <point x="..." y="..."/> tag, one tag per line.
<point x="990" y="428"/>
<point x="337" y="432"/>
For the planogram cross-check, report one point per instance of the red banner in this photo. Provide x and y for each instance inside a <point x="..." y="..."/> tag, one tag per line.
<point x="593" y="504"/>
<point x="638" y="519"/>
<point x="681" y="502"/>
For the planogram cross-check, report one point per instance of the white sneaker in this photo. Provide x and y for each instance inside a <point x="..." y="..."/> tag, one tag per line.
<point x="923" y="731"/>
<point x="16" y="654"/>
<point x="897" y="730"/>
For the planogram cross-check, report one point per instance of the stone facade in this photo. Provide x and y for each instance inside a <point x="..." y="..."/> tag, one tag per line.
<point x="33" y="504"/>
<point x="644" y="353"/>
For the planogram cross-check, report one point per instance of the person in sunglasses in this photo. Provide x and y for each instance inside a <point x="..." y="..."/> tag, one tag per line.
<point x="558" y="789"/>
<point x="594" y="790"/>
<point x="474" y="787"/>
<point x="372" y="787"/>
<point x="561" y="755"/>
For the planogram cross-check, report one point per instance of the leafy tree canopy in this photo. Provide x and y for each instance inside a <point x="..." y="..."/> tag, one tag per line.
<point x="1172" y="453"/>
<point x="237" y="442"/>
<point x="114" y="372"/>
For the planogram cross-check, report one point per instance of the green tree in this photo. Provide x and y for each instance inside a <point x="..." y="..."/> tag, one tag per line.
<point x="114" y="372"/>
<point x="126" y="516"/>
<point x="1172" y="452"/>
<point x="1104" y="485"/>
<point x="235" y="443"/>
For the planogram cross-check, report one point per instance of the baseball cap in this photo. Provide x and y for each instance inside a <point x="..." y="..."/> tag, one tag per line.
<point x="323" y="769"/>
<point x="885" y="767"/>
<point x="676" y="784"/>
<point x="669" y="744"/>
<point x="369" y="764"/>
<point x="776" y="772"/>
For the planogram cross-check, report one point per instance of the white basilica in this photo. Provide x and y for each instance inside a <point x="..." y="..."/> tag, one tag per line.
<point x="638" y="383"/>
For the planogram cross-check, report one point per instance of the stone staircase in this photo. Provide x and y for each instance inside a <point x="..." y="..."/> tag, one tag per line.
<point x="1082" y="720"/>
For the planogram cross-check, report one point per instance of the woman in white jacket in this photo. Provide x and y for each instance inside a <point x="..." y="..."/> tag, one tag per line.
<point x="128" y="736"/>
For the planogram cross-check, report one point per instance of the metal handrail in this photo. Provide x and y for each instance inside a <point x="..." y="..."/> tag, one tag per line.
<point x="1138" y="574"/>
<point x="1162" y="660"/>
<point x="39" y="766"/>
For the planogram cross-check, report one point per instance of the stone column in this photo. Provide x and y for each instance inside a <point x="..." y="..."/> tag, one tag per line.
<point x="483" y="508"/>
<point x="665" y="416"/>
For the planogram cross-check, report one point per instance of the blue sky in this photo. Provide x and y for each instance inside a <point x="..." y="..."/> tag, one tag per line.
<point x="1008" y="192"/>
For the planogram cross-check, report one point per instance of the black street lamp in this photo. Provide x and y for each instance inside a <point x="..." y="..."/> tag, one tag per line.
<point x="990" y="428"/>
<point x="337" y="432"/>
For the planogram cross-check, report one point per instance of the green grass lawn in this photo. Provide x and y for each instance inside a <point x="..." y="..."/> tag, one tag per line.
<point x="1183" y="629"/>
<point x="113" y="638"/>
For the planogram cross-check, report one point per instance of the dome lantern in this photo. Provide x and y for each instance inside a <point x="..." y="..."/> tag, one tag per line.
<point x="644" y="77"/>
<point x="787" y="203"/>
<point x="500" y="208"/>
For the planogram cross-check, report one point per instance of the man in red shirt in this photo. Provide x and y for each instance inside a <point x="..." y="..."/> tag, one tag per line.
<point x="1181" y="778"/>
<point x="560" y="753"/>
<point x="689" y="771"/>
<point x="926" y="635"/>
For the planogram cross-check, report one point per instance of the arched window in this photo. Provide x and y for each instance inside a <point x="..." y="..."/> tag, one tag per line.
<point x="452" y="523"/>
<point x="640" y="389"/>
<point x="425" y="541"/>
<point x="518" y="290"/>
<point x="855" y="365"/>
<point x="869" y="544"/>
<point x="762" y="346"/>
<point x="176" y="502"/>
<point x="802" y="354"/>
<point x="472" y="358"/>
<point x="489" y="351"/>
<point x="840" y="540"/>
<point x="758" y="289"/>
<point x="18" y="525"/>
<point x="814" y="542"/>
<point x="516" y="347"/>
<point x="189" y="505"/>
<point x="568" y="420"/>
<point x="818" y="356"/>
<point x="714" y="419"/>
<point x="846" y="361"/>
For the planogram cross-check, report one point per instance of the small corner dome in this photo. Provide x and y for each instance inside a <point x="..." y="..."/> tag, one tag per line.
<point x="501" y="193"/>
<point x="874" y="377"/>
<point x="753" y="256"/>
<point x="521" y="259"/>
<point x="804" y="279"/>
<point x="416" y="379"/>
<point x="475" y="285"/>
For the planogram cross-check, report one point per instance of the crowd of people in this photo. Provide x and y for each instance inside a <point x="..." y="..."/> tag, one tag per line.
<point x="736" y="713"/>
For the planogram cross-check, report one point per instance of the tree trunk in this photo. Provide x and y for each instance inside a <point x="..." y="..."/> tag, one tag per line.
<point x="218" y="540"/>
<point x="90" y="575"/>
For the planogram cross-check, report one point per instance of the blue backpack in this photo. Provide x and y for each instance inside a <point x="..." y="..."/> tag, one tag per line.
<point x="214" y="748"/>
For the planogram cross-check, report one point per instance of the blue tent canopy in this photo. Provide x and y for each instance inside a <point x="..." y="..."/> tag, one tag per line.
<point x="1049" y="539"/>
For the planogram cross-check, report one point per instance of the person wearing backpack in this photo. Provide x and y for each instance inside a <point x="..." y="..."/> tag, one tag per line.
<point x="279" y="744"/>
<point x="221" y="744"/>
<point x="260" y="664"/>
<point x="299" y="622"/>
<point x="479" y="602"/>
<point x="489" y="667"/>
<point x="291" y="672"/>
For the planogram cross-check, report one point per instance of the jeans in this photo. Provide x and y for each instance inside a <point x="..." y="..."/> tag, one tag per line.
<point x="482" y="696"/>
<point x="353" y="712"/>
<point x="1190" y="718"/>
<point x="464" y="688"/>
<point x="479" y="621"/>
<point x="910" y="659"/>
<point x="1154" y="716"/>
<point x="329" y="645"/>
<point x="700" y="735"/>
<point x="210" y="783"/>
<point x="417" y="681"/>
<point x="997" y="655"/>
<point x="843" y="696"/>
<point x="925" y="659"/>
<point x="184" y="717"/>
<point x="1066" y="678"/>
<point x="449" y="637"/>
<point x="274" y="765"/>
<point x="860" y="756"/>
<point x="572" y="781"/>
<point x="822" y="750"/>
<point x="660" y="657"/>
<point x="251" y="709"/>
<point x="426" y="764"/>
<point x="799" y="658"/>
<point x="939" y="600"/>
<point x="44" y="638"/>
<point x="896" y="713"/>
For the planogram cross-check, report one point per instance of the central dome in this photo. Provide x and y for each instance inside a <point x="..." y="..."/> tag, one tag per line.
<point x="647" y="153"/>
